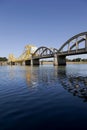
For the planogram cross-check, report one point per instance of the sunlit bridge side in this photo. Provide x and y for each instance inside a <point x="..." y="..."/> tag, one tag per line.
<point x="44" y="52"/>
<point x="75" y="45"/>
<point x="31" y="55"/>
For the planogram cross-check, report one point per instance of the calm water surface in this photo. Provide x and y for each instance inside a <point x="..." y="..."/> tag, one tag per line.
<point x="44" y="97"/>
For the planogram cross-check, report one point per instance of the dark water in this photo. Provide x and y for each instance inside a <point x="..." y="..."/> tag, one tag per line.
<point x="43" y="98"/>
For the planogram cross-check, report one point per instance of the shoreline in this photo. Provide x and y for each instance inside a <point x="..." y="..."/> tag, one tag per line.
<point x="50" y="62"/>
<point x="81" y="62"/>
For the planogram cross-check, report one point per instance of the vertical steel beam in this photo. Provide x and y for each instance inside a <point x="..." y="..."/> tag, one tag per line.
<point x="68" y="47"/>
<point x="76" y="44"/>
<point x="86" y="42"/>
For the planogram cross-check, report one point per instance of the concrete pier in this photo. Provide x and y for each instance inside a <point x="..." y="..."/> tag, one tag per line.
<point x="55" y="63"/>
<point x="35" y="62"/>
<point x="32" y="62"/>
<point x="28" y="62"/>
<point x="12" y="63"/>
<point x="61" y="60"/>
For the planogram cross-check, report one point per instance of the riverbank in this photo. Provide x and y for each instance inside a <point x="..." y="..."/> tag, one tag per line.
<point x="51" y="62"/>
<point x="3" y="63"/>
<point x="46" y="62"/>
<point x="81" y="62"/>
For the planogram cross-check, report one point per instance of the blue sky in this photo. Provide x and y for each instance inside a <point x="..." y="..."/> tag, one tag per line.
<point x="39" y="22"/>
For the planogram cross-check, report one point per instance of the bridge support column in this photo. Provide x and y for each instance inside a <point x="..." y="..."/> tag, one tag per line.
<point x="86" y="43"/>
<point x="12" y="63"/>
<point x="55" y="60"/>
<point x="31" y="62"/>
<point x="23" y="63"/>
<point x="20" y="63"/>
<point x="61" y="60"/>
<point x="35" y="62"/>
<point x="28" y="62"/>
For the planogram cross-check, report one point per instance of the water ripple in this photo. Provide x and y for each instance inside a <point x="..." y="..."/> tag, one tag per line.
<point x="35" y="96"/>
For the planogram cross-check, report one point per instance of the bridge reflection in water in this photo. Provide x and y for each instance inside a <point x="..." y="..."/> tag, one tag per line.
<point x="73" y="83"/>
<point x="71" y="80"/>
<point x="48" y="97"/>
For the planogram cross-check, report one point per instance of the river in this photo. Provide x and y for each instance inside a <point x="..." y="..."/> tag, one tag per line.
<point x="43" y="97"/>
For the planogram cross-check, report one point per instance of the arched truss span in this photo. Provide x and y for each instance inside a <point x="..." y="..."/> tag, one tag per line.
<point x="74" y="42"/>
<point x="45" y="51"/>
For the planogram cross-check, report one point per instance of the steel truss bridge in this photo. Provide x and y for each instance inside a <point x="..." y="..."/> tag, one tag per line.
<point x="75" y="45"/>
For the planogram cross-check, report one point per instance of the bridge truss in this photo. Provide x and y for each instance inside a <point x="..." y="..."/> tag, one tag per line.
<point x="44" y="52"/>
<point x="75" y="45"/>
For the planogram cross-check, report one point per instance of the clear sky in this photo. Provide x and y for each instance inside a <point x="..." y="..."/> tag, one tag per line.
<point x="39" y="22"/>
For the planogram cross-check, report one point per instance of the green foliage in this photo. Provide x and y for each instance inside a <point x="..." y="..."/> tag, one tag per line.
<point x="85" y="60"/>
<point x="68" y="60"/>
<point x="77" y="59"/>
<point x="3" y="59"/>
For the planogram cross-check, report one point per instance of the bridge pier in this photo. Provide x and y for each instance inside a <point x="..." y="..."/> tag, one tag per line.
<point x="20" y="63"/>
<point x="55" y="63"/>
<point x="28" y="62"/>
<point x="32" y="62"/>
<point x="35" y="62"/>
<point x="23" y="63"/>
<point x="61" y="60"/>
<point x="12" y="63"/>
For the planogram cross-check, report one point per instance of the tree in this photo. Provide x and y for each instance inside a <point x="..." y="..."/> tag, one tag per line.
<point x="3" y="59"/>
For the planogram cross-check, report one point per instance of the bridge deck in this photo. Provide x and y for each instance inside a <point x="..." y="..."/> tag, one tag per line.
<point x="73" y="52"/>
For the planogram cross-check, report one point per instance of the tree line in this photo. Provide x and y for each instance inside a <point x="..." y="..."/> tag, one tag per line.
<point x="3" y="59"/>
<point x="76" y="60"/>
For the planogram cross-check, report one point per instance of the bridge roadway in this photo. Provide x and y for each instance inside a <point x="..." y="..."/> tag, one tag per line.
<point x="73" y="52"/>
<point x="74" y="46"/>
